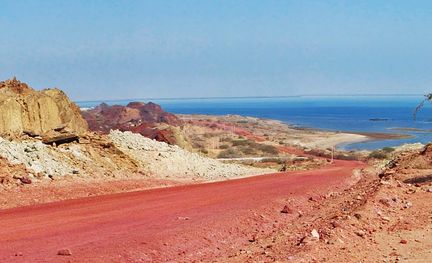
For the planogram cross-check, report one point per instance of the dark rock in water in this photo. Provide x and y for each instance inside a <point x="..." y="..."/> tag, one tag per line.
<point x="378" y="119"/>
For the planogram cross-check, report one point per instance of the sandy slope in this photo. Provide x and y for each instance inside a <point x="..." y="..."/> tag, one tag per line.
<point x="201" y="222"/>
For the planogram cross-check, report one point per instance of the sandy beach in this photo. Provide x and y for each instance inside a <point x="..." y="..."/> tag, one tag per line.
<point x="336" y="140"/>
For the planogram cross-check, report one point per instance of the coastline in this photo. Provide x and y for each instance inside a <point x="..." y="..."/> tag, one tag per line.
<point x="385" y="136"/>
<point x="378" y="133"/>
<point x="329" y="138"/>
<point x="303" y="137"/>
<point x="277" y="131"/>
<point x="338" y="140"/>
<point x="372" y="136"/>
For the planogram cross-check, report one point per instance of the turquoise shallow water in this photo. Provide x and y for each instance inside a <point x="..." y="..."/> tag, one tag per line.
<point x="345" y="113"/>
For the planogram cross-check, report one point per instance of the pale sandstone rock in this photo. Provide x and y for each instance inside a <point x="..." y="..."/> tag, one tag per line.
<point x="37" y="112"/>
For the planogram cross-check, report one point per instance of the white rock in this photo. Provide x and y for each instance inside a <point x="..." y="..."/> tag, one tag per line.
<point x="315" y="234"/>
<point x="170" y="161"/>
<point x="35" y="156"/>
<point x="408" y="204"/>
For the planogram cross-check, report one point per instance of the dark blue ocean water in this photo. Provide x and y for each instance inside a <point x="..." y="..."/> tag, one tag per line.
<point x="342" y="113"/>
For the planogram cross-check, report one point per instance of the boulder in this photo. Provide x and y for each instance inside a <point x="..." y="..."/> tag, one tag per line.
<point x="60" y="138"/>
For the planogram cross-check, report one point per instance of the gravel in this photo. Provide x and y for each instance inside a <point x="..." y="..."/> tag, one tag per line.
<point x="171" y="161"/>
<point x="35" y="156"/>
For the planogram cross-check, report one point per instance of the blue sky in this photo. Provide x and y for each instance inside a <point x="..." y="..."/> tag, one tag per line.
<point x="137" y="49"/>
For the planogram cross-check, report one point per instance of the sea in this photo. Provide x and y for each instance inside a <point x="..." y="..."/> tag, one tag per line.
<point x="375" y="114"/>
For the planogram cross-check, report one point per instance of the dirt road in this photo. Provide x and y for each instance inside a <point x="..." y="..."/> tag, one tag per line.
<point x="182" y="223"/>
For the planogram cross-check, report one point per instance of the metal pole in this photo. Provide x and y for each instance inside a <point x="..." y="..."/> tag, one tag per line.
<point x="333" y="151"/>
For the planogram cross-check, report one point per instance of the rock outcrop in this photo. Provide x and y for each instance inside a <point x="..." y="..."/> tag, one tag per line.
<point x="138" y="117"/>
<point x="25" y="110"/>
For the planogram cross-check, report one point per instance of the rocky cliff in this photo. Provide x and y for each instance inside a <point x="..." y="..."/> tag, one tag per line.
<point x="23" y="109"/>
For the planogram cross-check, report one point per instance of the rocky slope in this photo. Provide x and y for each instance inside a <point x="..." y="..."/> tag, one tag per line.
<point x="173" y="162"/>
<point x="94" y="156"/>
<point x="138" y="117"/>
<point x="380" y="219"/>
<point x="24" y="109"/>
<point x="121" y="155"/>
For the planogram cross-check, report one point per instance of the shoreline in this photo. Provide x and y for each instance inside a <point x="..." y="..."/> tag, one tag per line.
<point x="378" y="136"/>
<point x="340" y="139"/>
<point x="326" y="139"/>
<point x="371" y="137"/>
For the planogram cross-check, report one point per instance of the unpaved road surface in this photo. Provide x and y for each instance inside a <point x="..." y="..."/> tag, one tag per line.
<point x="181" y="224"/>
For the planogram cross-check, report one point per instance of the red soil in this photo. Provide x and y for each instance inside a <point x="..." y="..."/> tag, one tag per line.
<point x="183" y="223"/>
<point x="292" y="150"/>
<point x="230" y="127"/>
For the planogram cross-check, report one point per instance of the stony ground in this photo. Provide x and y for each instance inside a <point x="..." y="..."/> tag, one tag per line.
<point x="387" y="219"/>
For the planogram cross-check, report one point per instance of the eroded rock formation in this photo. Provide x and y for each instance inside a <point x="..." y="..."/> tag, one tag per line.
<point x="23" y="109"/>
<point x="138" y="117"/>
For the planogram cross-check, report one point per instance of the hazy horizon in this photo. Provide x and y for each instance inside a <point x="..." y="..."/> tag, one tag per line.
<point x="112" y="50"/>
<point x="253" y="97"/>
